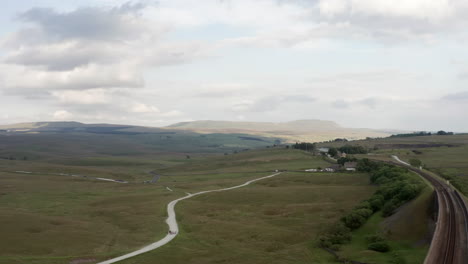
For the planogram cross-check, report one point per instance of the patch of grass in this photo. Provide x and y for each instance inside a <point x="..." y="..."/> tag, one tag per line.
<point x="261" y="223"/>
<point x="407" y="233"/>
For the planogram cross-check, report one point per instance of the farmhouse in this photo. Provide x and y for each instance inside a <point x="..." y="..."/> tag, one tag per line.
<point x="350" y="166"/>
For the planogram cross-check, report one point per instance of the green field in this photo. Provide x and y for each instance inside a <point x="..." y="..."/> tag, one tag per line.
<point x="273" y="221"/>
<point x="58" y="219"/>
<point x="50" y="218"/>
<point x="444" y="155"/>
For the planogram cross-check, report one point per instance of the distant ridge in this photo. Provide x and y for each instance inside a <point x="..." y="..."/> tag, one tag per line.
<point x="298" y="125"/>
<point x="312" y="130"/>
<point x="300" y="130"/>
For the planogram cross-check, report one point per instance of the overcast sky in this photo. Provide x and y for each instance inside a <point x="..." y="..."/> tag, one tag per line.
<point x="363" y="63"/>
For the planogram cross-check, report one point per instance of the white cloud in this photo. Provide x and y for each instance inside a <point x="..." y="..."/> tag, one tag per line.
<point x="62" y="115"/>
<point x="93" y="96"/>
<point x="172" y="113"/>
<point x="143" y="108"/>
<point x="90" y="76"/>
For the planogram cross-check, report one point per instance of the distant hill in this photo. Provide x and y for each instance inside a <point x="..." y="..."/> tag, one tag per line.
<point x="300" y="130"/>
<point x="299" y="125"/>
<point x="70" y="140"/>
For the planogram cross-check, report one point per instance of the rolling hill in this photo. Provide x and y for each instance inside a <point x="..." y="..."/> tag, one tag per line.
<point x="299" y="130"/>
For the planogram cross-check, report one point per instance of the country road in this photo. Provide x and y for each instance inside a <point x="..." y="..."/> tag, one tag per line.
<point x="71" y="175"/>
<point x="449" y="244"/>
<point x="172" y="221"/>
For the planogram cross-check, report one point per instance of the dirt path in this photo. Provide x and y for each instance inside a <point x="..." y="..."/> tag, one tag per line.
<point x="172" y="222"/>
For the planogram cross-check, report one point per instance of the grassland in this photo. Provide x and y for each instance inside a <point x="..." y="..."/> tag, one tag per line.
<point x="60" y="219"/>
<point x="444" y="155"/>
<point x="274" y="221"/>
<point x="408" y="233"/>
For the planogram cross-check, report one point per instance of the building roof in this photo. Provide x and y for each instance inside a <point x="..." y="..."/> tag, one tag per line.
<point x="349" y="165"/>
<point x="334" y="167"/>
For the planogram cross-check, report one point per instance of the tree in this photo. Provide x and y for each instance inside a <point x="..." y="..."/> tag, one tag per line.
<point x="443" y="133"/>
<point x="415" y="162"/>
<point x="332" y="152"/>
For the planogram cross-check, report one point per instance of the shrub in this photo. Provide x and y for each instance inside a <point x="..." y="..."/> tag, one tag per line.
<point x="389" y="208"/>
<point x="375" y="238"/>
<point x="353" y="220"/>
<point x="415" y="162"/>
<point x="379" y="246"/>
<point x="336" y="235"/>
<point x="366" y="213"/>
<point x="376" y="202"/>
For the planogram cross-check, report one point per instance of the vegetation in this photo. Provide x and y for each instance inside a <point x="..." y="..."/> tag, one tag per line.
<point x="343" y="160"/>
<point x="304" y="146"/>
<point x="350" y="149"/>
<point x="423" y="133"/>
<point x="269" y="222"/>
<point x="415" y="134"/>
<point x="61" y="219"/>
<point x="396" y="187"/>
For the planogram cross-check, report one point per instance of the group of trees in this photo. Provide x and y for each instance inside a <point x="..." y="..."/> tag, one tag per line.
<point x="423" y="133"/>
<point x="348" y="149"/>
<point x="396" y="186"/>
<point x="343" y="160"/>
<point x="305" y="146"/>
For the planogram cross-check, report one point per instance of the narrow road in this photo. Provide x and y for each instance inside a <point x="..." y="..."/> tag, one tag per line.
<point x="449" y="244"/>
<point x="71" y="175"/>
<point x="172" y="222"/>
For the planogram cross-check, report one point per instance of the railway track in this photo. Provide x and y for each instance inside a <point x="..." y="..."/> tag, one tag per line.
<point x="450" y="241"/>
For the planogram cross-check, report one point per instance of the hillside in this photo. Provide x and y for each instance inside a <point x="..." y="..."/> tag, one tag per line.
<point x="73" y="141"/>
<point x="300" y="130"/>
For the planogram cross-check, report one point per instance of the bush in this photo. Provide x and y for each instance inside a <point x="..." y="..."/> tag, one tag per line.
<point x="364" y="205"/>
<point x="348" y="149"/>
<point x="337" y="234"/>
<point x="364" y="212"/>
<point x="379" y="246"/>
<point x="415" y="162"/>
<point x="376" y="202"/>
<point x="375" y="238"/>
<point x="389" y="208"/>
<point x="353" y="220"/>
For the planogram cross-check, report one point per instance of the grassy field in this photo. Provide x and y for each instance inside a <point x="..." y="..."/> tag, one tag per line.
<point x="408" y="233"/>
<point x="444" y="155"/>
<point x="273" y="221"/>
<point x="61" y="219"/>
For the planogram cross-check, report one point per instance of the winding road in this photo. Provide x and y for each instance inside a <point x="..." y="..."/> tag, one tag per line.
<point x="172" y="222"/>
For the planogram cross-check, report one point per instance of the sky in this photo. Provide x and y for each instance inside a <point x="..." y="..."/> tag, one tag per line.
<point x="398" y="64"/>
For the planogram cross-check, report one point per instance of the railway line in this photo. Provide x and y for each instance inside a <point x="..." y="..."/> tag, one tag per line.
<point x="450" y="241"/>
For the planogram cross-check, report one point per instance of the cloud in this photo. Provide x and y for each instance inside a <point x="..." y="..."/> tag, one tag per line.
<point x="87" y="48"/>
<point x="143" y="108"/>
<point x="62" y="115"/>
<point x="116" y="24"/>
<point x="340" y="104"/>
<point x="20" y="78"/>
<point x="172" y="113"/>
<point x="456" y="97"/>
<point x="87" y="97"/>
<point x="270" y="103"/>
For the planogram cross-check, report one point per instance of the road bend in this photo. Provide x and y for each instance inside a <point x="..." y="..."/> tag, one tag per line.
<point x="172" y="222"/>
